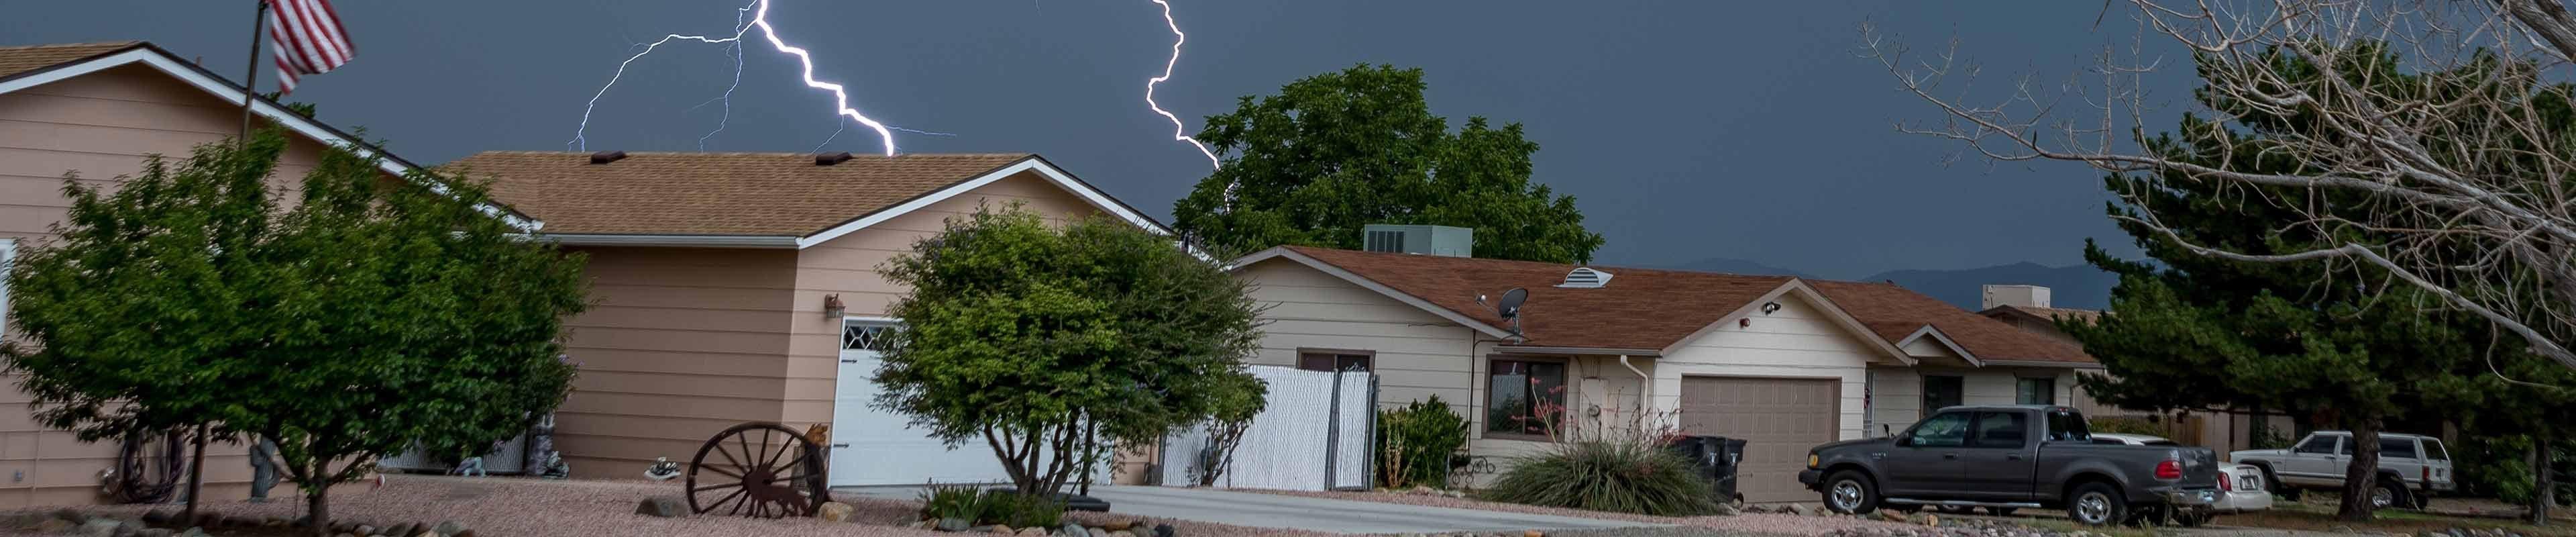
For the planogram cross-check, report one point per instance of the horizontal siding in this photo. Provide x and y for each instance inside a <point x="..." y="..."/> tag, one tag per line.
<point x="679" y="343"/>
<point x="1419" y="354"/>
<point x="1896" y="397"/>
<point x="1798" y="341"/>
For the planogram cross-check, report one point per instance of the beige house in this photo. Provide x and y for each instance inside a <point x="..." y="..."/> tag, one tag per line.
<point x="96" y="110"/>
<point x="1781" y="362"/>
<point x="733" y="287"/>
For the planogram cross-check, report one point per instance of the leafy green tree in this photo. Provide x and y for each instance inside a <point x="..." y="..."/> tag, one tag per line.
<point x="367" y="314"/>
<point x="133" y="317"/>
<point x="2338" y="345"/>
<point x="1337" y="151"/>
<point x="1046" y="341"/>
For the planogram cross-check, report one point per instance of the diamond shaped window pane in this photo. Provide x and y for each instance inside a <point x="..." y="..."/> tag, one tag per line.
<point x="868" y="336"/>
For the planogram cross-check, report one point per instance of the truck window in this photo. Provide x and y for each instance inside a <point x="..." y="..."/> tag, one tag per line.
<point x="2433" y="450"/>
<point x="2316" y="445"/>
<point x="2397" y="448"/>
<point x="1948" y="429"/>
<point x="2068" y="425"/>
<point x="2002" y="429"/>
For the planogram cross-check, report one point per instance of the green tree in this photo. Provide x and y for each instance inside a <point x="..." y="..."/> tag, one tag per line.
<point x="1046" y="341"/>
<point x="367" y="314"/>
<point x="1337" y="151"/>
<point x="2338" y="345"/>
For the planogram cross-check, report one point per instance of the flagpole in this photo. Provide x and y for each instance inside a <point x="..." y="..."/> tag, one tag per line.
<point x="250" y="88"/>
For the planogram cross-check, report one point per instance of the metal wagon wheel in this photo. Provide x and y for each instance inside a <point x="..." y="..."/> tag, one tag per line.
<point x="757" y="469"/>
<point x="148" y="467"/>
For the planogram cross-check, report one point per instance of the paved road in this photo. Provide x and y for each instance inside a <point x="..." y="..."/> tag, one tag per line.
<point x="1303" y="513"/>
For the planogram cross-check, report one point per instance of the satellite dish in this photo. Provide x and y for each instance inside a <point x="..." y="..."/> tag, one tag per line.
<point x="1510" y="307"/>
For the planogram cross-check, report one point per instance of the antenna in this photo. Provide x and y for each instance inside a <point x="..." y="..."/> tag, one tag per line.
<point x="1510" y="307"/>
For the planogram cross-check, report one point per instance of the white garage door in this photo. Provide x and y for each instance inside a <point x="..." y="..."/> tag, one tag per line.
<point x="875" y="447"/>
<point x="1777" y="418"/>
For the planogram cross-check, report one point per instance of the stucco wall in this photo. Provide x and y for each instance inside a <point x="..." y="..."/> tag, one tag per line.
<point x="99" y="126"/>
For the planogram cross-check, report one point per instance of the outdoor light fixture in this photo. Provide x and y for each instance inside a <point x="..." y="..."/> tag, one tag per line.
<point x="832" y="306"/>
<point x="1768" y="307"/>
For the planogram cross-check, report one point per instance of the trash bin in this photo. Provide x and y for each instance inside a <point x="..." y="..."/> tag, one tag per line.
<point x="1716" y="457"/>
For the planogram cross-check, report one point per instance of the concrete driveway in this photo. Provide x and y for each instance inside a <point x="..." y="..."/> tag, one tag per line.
<point x="1302" y="513"/>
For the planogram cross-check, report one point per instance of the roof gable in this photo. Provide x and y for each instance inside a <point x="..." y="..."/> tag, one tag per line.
<point x="30" y="66"/>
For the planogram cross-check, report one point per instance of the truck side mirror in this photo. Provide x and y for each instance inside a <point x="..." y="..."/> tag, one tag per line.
<point x="1905" y="441"/>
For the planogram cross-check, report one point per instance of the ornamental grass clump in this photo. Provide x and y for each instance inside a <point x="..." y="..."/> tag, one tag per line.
<point x="1624" y="475"/>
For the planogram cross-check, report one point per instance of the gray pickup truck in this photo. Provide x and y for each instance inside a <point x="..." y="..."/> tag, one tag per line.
<point x="2007" y="457"/>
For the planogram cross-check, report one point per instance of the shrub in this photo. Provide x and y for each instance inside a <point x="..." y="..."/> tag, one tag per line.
<point x="980" y="507"/>
<point x="1630" y="474"/>
<point x="1414" y="443"/>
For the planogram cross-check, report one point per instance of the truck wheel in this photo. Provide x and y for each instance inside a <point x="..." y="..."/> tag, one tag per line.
<point x="2096" y="504"/>
<point x="1848" y="492"/>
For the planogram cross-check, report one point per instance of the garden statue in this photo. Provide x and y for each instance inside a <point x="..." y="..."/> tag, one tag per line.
<point x="555" y="468"/>
<point x="263" y="469"/>
<point x="662" y="470"/>
<point x="541" y="444"/>
<point x="471" y="466"/>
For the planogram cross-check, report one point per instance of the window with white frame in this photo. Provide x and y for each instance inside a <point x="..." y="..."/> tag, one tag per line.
<point x="864" y="335"/>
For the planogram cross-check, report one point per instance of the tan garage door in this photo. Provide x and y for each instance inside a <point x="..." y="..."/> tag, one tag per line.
<point x="1777" y="418"/>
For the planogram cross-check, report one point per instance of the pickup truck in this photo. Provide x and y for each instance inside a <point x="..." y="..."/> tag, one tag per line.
<point x="2411" y="467"/>
<point x="2019" y="456"/>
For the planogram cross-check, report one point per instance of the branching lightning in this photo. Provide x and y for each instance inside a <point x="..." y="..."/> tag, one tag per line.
<point x="1180" y="132"/>
<point x="760" y="20"/>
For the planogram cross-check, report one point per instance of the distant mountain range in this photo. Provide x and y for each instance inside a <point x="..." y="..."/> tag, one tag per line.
<point x="2076" y="286"/>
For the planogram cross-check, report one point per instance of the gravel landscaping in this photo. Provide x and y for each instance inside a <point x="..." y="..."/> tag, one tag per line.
<point x="499" y="506"/>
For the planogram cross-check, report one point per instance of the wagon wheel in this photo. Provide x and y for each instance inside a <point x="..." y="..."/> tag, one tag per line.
<point x="757" y="469"/>
<point x="148" y="466"/>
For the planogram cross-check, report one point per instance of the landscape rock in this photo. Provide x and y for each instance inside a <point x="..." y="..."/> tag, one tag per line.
<point x="362" y="529"/>
<point x="1799" y="509"/>
<point x="103" y="527"/>
<point x="193" y="532"/>
<point x="1004" y="529"/>
<point x="1424" y="490"/>
<point x="661" y="506"/>
<point x="835" y="512"/>
<point x="1931" y="520"/>
<point x="401" y="530"/>
<point x="55" y="525"/>
<point x="1166" y="530"/>
<point x="1455" y="494"/>
<point x="1533" y="533"/>
<point x="1122" y="533"/>
<point x="1096" y="532"/>
<point x="1891" y="515"/>
<point x="1071" y="529"/>
<point x="953" y="524"/>
<point x="1118" y="525"/>
<point x="1033" y="532"/>
<point x="1728" y="510"/>
<point x="451" y="528"/>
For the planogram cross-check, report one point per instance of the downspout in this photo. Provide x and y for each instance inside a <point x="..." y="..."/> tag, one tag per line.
<point x="1646" y="396"/>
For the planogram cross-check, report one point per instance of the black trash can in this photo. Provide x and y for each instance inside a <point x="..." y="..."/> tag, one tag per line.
<point x="1716" y="458"/>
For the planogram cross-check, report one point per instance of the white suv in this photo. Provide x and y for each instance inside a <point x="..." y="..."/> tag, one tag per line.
<point x="2411" y="468"/>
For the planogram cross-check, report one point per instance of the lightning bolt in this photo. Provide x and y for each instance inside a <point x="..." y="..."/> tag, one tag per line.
<point x="759" y="20"/>
<point x="1180" y="132"/>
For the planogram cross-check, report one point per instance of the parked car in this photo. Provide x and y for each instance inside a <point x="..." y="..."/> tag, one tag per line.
<point x="2412" y="468"/>
<point x="2007" y="457"/>
<point x="2243" y="483"/>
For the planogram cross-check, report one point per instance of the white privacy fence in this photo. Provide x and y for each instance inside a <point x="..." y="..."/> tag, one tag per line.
<point x="1313" y="434"/>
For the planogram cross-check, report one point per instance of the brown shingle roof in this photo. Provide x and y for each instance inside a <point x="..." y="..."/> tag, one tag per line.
<point x="2045" y="314"/>
<point x="1653" y="309"/>
<point x="752" y="194"/>
<point x="23" y="59"/>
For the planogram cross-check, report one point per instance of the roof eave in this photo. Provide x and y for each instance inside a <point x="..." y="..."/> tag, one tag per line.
<point x="2045" y="363"/>
<point x="677" y="241"/>
<point x="1603" y="351"/>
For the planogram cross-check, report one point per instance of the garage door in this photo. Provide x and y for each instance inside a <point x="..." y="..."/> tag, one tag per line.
<point x="1777" y="418"/>
<point x="875" y="447"/>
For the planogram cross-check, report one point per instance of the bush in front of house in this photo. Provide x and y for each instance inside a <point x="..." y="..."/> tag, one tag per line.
<point x="1629" y="474"/>
<point x="985" y="507"/>
<point x="1415" y="442"/>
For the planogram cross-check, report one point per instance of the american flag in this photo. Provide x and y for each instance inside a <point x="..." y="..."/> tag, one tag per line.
<point x="308" y="38"/>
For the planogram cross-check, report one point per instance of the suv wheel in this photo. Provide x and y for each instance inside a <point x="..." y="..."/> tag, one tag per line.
<point x="2096" y="504"/>
<point x="2386" y="495"/>
<point x="1848" y="492"/>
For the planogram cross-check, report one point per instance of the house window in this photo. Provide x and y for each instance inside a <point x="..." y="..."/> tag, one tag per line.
<point x="1333" y="360"/>
<point x="2036" y="391"/>
<point x="1942" y="391"/>
<point x="1526" y="395"/>
<point x="859" y="335"/>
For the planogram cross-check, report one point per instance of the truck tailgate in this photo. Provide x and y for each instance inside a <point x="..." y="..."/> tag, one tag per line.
<point x="2200" y="468"/>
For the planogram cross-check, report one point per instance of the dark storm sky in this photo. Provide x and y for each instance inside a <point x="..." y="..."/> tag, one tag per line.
<point x="1687" y="129"/>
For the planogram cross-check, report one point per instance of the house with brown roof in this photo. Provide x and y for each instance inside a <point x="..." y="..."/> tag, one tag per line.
<point x="95" y="110"/>
<point x="733" y="287"/>
<point x="1781" y="362"/>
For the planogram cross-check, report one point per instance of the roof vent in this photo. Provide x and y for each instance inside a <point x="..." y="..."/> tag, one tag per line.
<point x="1585" y="278"/>
<point x="827" y="159"/>
<point x="605" y="157"/>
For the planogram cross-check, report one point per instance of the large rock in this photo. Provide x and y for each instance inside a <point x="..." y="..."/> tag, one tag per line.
<point x="1118" y="524"/>
<point x="835" y="512"/>
<point x="1073" y="529"/>
<point x="662" y="506"/>
<point x="451" y="528"/>
<point x="1033" y="532"/>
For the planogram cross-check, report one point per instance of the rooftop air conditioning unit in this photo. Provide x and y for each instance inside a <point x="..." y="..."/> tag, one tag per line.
<point x="1419" y="239"/>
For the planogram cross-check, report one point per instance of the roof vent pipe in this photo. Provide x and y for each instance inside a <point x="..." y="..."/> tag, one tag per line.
<point x="605" y="157"/>
<point x="827" y="159"/>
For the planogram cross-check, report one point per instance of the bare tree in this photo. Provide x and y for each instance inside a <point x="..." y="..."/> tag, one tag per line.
<point x="2435" y="142"/>
<point x="2469" y="180"/>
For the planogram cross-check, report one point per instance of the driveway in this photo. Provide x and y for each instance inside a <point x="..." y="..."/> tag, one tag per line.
<point x="1302" y="513"/>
